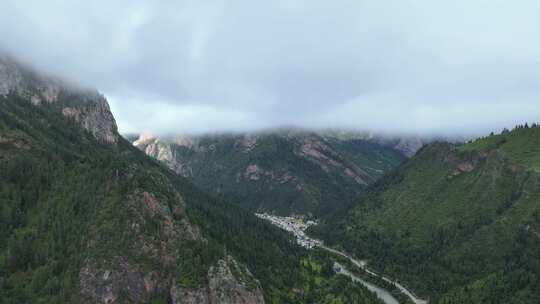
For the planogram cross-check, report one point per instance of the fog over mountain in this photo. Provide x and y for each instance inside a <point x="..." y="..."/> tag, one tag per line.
<point x="414" y="66"/>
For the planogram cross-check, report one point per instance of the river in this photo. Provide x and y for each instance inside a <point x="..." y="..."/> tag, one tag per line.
<point x="297" y="227"/>
<point x="381" y="293"/>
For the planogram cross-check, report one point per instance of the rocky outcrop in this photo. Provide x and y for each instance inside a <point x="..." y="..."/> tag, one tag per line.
<point x="228" y="283"/>
<point x="162" y="151"/>
<point x="253" y="172"/>
<point x="317" y="151"/>
<point x="126" y="282"/>
<point x="231" y="282"/>
<point x="87" y="107"/>
<point x="409" y="146"/>
<point x="95" y="116"/>
<point x="153" y="147"/>
<point x="153" y="232"/>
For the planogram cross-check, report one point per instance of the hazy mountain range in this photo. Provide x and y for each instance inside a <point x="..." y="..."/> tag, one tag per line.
<point x="285" y="171"/>
<point x="88" y="216"/>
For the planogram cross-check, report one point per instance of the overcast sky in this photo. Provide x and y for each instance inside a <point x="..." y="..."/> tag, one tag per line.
<point x="417" y="66"/>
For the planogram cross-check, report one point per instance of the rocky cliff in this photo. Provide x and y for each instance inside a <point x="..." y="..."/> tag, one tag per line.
<point x="128" y="277"/>
<point x="83" y="222"/>
<point x="87" y="107"/>
<point x="229" y="283"/>
<point x="409" y="146"/>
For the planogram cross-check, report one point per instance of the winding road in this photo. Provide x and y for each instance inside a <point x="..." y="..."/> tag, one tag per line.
<point x="382" y="293"/>
<point x="288" y="224"/>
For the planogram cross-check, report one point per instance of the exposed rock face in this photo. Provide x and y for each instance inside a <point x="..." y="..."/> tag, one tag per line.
<point x="95" y="116"/>
<point x="228" y="283"/>
<point x="253" y="172"/>
<point x="11" y="77"/>
<point x="121" y="277"/>
<point x="153" y="228"/>
<point x="409" y="146"/>
<point x="89" y="108"/>
<point x="126" y="281"/>
<point x="162" y="151"/>
<point x="190" y="296"/>
<point x="323" y="155"/>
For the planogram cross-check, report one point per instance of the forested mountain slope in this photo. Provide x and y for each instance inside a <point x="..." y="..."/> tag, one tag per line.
<point x="459" y="223"/>
<point x="91" y="222"/>
<point x="87" y="218"/>
<point x="284" y="171"/>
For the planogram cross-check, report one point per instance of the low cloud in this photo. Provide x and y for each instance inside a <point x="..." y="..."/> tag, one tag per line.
<point x="200" y="66"/>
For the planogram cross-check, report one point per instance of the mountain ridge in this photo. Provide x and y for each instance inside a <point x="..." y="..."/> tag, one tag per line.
<point x="86" y="106"/>
<point x="286" y="171"/>
<point x="455" y="222"/>
<point x="88" y="218"/>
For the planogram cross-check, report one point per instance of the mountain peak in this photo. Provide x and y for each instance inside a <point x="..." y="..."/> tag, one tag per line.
<point x="87" y="107"/>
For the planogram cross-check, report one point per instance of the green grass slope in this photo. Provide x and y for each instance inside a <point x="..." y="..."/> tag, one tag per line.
<point x="458" y="224"/>
<point x="522" y="145"/>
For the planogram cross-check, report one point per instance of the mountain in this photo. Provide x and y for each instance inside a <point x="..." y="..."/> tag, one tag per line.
<point x="407" y="145"/>
<point x="460" y="223"/>
<point x="87" y="218"/>
<point x="86" y="106"/>
<point x="84" y="218"/>
<point x="286" y="171"/>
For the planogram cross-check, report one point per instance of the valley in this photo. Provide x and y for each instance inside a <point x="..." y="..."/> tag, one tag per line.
<point x="269" y="152"/>
<point x="88" y="216"/>
<point x="297" y="227"/>
<point x="85" y="217"/>
<point x="436" y="220"/>
<point x="283" y="171"/>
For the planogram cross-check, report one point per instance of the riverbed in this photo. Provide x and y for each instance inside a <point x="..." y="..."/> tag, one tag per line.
<point x="297" y="227"/>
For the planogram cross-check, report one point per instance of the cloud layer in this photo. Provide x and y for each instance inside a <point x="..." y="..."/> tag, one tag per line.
<point x="197" y="66"/>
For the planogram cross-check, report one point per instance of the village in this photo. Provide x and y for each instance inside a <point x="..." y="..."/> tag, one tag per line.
<point x="295" y="225"/>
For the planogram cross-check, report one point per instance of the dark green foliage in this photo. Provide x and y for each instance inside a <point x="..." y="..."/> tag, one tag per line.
<point x="61" y="190"/>
<point x="271" y="254"/>
<point x="456" y="223"/>
<point x="339" y="289"/>
<point x="288" y="181"/>
<point x="522" y="145"/>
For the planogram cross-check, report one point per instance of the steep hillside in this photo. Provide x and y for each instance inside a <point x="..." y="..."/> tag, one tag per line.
<point x="460" y="223"/>
<point x="87" y="218"/>
<point x="286" y="171"/>
<point x="522" y="145"/>
<point x="85" y="106"/>
<point x="96" y="223"/>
